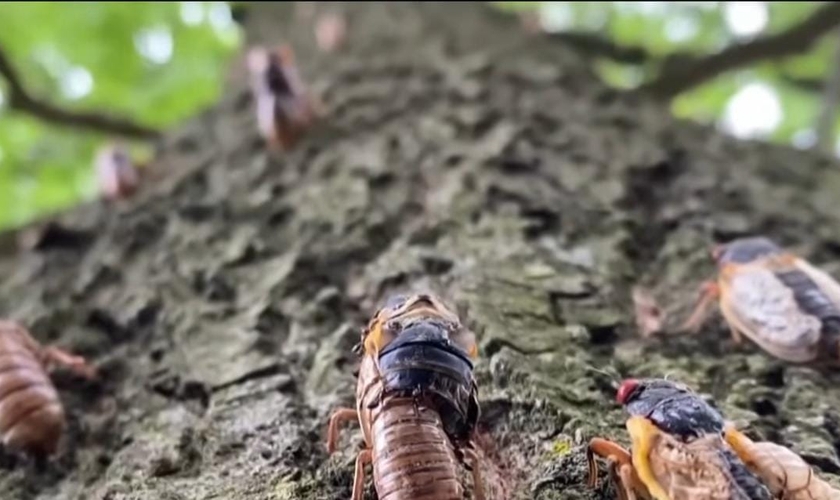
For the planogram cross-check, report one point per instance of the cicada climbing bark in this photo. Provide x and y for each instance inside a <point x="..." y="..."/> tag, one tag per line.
<point x="416" y="401"/>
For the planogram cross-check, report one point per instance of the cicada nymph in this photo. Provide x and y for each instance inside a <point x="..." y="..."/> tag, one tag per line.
<point x="416" y="401"/>
<point x="32" y="418"/>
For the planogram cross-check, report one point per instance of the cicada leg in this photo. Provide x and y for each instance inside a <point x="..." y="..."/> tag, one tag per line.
<point x="340" y="416"/>
<point x="736" y="336"/>
<point x="709" y="293"/>
<point x="362" y="459"/>
<point x="472" y="457"/>
<point x="626" y="478"/>
<point x="54" y="356"/>
<point x="620" y="467"/>
<point x="740" y="443"/>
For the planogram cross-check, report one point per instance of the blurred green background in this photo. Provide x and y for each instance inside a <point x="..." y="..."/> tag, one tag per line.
<point x="156" y="63"/>
<point x="159" y="63"/>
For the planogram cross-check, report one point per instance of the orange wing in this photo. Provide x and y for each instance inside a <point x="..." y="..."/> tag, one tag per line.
<point x="783" y="471"/>
<point x="759" y="305"/>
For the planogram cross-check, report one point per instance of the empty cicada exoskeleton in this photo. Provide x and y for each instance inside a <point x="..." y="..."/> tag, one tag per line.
<point x="780" y="301"/>
<point x="285" y="108"/>
<point x="678" y="449"/>
<point x="786" y="474"/>
<point x="118" y="177"/>
<point x="416" y="401"/>
<point x="32" y="418"/>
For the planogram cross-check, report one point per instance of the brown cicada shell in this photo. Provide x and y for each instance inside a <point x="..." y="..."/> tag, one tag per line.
<point x="32" y="418"/>
<point x="416" y="403"/>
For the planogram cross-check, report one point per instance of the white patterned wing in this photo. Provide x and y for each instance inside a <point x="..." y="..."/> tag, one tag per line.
<point x="765" y="310"/>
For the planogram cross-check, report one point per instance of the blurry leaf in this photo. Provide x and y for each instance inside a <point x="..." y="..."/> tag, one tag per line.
<point x="45" y="168"/>
<point x="187" y="47"/>
<point x="622" y="76"/>
<point x="707" y="102"/>
<point x="801" y="110"/>
<point x="517" y="6"/>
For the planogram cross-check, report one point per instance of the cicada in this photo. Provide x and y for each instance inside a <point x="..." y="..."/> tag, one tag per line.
<point x="32" y="417"/>
<point x="118" y="176"/>
<point x="416" y="401"/>
<point x="284" y="106"/>
<point x="678" y="450"/>
<point x="779" y="300"/>
<point x="786" y="474"/>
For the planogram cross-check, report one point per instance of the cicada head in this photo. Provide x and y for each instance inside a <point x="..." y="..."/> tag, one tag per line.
<point x="643" y="392"/>
<point x="402" y="311"/>
<point x="744" y="250"/>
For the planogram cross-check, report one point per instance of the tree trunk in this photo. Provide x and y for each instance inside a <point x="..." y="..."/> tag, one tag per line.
<point x="461" y="155"/>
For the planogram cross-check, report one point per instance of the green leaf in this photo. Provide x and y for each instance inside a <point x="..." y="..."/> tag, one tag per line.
<point x="44" y="168"/>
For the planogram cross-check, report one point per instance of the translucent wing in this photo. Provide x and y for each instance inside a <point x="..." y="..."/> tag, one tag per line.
<point x="699" y="470"/>
<point x="786" y="474"/>
<point x="760" y="306"/>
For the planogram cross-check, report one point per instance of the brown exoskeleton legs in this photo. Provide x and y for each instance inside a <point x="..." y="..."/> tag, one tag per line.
<point x="362" y="459"/>
<point x="338" y="417"/>
<point x="625" y="478"/>
<point x="53" y="356"/>
<point x="478" y="485"/>
<point x="709" y="293"/>
<point x="736" y="337"/>
<point x="620" y="467"/>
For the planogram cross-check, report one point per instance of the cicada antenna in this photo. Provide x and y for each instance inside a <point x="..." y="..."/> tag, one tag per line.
<point x="615" y="379"/>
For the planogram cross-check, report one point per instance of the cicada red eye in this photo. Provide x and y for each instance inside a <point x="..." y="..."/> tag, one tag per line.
<point x="625" y="390"/>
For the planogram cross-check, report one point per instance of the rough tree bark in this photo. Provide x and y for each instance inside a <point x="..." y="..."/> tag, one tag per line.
<point x="462" y="155"/>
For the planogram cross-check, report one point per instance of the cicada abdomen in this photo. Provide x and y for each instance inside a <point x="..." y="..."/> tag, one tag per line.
<point x="32" y="418"/>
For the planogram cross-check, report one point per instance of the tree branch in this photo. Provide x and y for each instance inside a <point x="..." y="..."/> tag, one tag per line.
<point x="795" y="40"/>
<point x="830" y="101"/>
<point x="21" y="100"/>
<point x="681" y="71"/>
<point x="598" y="46"/>
<point x="803" y="83"/>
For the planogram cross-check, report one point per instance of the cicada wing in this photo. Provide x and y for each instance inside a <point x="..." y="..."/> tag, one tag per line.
<point x="760" y="306"/>
<point x="782" y="470"/>
<point x="824" y="281"/>
<point x="699" y="469"/>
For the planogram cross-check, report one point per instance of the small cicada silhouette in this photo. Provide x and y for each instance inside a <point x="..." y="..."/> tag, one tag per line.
<point x="118" y="177"/>
<point x="284" y="106"/>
